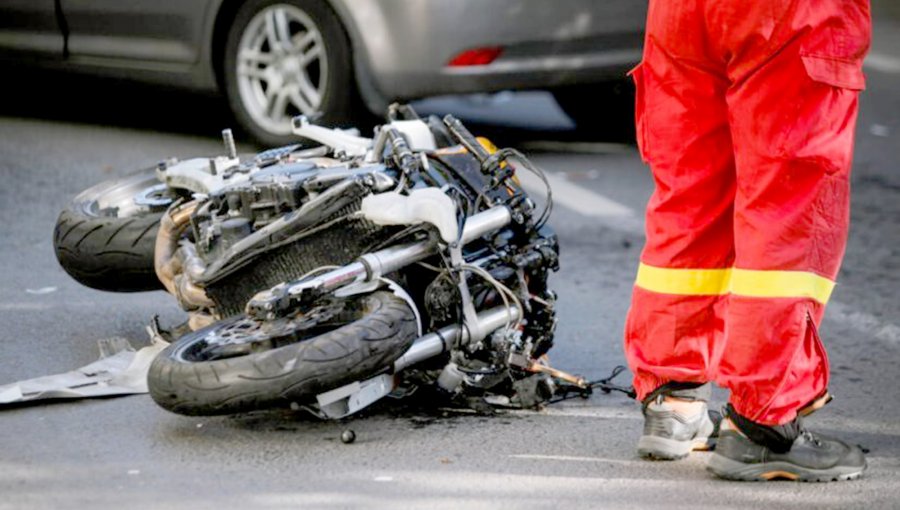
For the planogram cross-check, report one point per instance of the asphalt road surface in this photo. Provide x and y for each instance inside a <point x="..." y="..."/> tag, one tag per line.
<point x="57" y="138"/>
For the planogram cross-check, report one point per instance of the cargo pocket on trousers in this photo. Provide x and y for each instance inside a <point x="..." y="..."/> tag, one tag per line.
<point x="816" y="116"/>
<point x="640" y="123"/>
<point x="835" y="72"/>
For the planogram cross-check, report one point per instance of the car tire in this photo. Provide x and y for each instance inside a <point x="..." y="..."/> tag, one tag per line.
<point x="331" y="103"/>
<point x="604" y="111"/>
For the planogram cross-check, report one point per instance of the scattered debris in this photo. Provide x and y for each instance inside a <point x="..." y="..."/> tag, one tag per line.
<point x="120" y="371"/>
<point x="348" y="436"/>
<point x="41" y="291"/>
<point x="421" y="421"/>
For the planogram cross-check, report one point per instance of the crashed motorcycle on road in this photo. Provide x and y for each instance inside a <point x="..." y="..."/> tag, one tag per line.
<point x="327" y="277"/>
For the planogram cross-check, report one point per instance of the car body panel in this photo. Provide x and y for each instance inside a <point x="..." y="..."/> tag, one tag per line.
<point x="404" y="45"/>
<point x="158" y="41"/>
<point x="30" y="27"/>
<point x="401" y="48"/>
<point x="143" y="30"/>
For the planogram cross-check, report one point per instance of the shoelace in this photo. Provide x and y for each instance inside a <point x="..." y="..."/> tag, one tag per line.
<point x="811" y="437"/>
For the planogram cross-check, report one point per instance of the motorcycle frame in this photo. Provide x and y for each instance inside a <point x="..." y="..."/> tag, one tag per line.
<point x="353" y="397"/>
<point x="205" y="176"/>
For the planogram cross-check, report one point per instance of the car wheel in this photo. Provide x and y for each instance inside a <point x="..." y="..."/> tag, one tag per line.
<point x="604" y="110"/>
<point x="285" y="58"/>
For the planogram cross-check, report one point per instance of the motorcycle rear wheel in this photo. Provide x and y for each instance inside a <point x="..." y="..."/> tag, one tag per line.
<point x="104" y="240"/>
<point x="184" y="379"/>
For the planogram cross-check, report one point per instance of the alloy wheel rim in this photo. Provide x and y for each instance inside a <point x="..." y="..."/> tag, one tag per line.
<point x="282" y="68"/>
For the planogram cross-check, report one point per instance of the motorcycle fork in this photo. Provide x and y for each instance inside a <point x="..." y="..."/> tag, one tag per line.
<point x="369" y="268"/>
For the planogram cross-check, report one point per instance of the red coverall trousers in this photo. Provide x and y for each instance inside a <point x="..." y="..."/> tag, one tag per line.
<point x="745" y="113"/>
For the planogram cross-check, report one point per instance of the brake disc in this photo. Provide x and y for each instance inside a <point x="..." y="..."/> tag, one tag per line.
<point x="241" y="335"/>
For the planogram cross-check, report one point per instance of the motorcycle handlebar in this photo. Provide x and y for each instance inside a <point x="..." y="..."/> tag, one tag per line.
<point x="466" y="138"/>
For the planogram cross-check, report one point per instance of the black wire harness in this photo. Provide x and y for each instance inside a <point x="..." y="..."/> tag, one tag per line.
<point x="570" y="391"/>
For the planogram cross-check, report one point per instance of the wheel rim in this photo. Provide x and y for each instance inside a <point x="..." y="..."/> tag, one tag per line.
<point x="131" y="196"/>
<point x="282" y="69"/>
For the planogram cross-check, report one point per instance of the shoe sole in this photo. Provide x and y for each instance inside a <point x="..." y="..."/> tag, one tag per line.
<point x="660" y="448"/>
<point x="730" y="469"/>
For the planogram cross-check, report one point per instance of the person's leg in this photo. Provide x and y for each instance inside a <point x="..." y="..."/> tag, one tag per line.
<point x="793" y="107"/>
<point x="677" y="421"/>
<point x="793" y="111"/>
<point x="676" y="317"/>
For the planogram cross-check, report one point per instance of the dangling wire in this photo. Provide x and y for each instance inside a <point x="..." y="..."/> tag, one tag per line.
<point x="605" y="385"/>
<point x="506" y="294"/>
<point x="464" y="206"/>
<point x="509" y="153"/>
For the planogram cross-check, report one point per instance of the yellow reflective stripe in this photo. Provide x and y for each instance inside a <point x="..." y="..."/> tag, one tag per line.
<point x="774" y="284"/>
<point x="742" y="282"/>
<point x="686" y="282"/>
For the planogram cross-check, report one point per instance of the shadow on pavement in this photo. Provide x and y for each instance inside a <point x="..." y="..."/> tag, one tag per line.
<point x="511" y="119"/>
<point x="56" y="96"/>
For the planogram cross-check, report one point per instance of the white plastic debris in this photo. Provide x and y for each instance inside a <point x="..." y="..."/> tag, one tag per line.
<point x="41" y="291"/>
<point x="120" y="371"/>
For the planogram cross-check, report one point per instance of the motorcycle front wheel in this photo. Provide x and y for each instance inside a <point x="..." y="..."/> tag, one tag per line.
<point x="105" y="237"/>
<point x="240" y="364"/>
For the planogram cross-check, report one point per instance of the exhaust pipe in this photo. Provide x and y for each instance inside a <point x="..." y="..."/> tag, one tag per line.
<point x="169" y="268"/>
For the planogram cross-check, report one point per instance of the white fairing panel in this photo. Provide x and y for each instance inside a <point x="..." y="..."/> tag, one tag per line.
<point x="426" y="205"/>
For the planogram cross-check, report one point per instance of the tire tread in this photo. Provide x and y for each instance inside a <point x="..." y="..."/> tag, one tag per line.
<point x="107" y="253"/>
<point x="351" y="352"/>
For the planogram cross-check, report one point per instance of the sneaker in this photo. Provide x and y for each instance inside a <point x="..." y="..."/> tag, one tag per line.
<point x="811" y="458"/>
<point x="670" y="435"/>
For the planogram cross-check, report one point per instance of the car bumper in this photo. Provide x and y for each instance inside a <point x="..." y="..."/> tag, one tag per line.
<point x="403" y="47"/>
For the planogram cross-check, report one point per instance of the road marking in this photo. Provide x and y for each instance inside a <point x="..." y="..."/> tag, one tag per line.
<point x="865" y="323"/>
<point x="882" y="63"/>
<point x="24" y="307"/>
<point x="13" y="306"/>
<point x="604" y="413"/>
<point x="581" y="147"/>
<point x="575" y="197"/>
<point x="884" y="462"/>
<point x="842" y="424"/>
<point x="569" y="458"/>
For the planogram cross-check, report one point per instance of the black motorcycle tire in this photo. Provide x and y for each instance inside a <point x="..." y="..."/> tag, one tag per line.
<point x="109" y="247"/>
<point x="296" y="372"/>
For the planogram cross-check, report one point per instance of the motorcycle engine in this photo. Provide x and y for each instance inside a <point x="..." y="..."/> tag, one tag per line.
<point x="241" y="209"/>
<point x="231" y="216"/>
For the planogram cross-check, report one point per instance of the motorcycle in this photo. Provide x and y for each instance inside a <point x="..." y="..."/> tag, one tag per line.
<point x="326" y="277"/>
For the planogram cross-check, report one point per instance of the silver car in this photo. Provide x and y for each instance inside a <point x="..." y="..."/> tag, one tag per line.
<point x="274" y="59"/>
